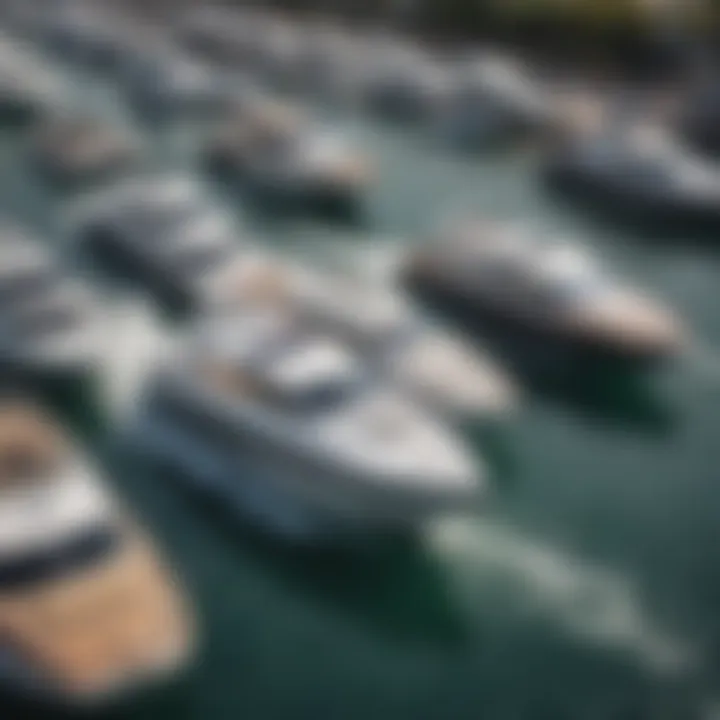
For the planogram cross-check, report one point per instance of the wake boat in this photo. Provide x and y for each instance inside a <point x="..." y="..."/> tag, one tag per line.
<point x="74" y="151"/>
<point x="379" y="325"/>
<point x="87" y="609"/>
<point x="163" y="231"/>
<point x="554" y="290"/>
<point x="641" y="173"/>
<point x="278" y="153"/>
<point x="283" y="426"/>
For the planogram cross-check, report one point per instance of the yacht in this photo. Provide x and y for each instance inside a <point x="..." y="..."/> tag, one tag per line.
<point x="640" y="173"/>
<point x="552" y="289"/>
<point x="73" y="151"/>
<point x="379" y="325"/>
<point x="282" y="425"/>
<point x="51" y="327"/>
<point x="404" y="84"/>
<point x="493" y="102"/>
<point x="88" y="611"/>
<point x="278" y="153"/>
<point x="162" y="231"/>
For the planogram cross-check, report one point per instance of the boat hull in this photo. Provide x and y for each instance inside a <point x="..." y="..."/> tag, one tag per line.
<point x="277" y="492"/>
<point x="488" y="318"/>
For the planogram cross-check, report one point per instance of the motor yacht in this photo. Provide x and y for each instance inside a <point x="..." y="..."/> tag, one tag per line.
<point x="552" y="289"/>
<point x="494" y="102"/>
<point x="88" y="610"/>
<point x="431" y="364"/>
<point x="74" y="151"/>
<point x="639" y="173"/>
<point x="162" y="231"/>
<point x="278" y="153"/>
<point x="283" y="426"/>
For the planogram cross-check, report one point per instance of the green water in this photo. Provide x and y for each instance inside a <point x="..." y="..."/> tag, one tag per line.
<point x="588" y="588"/>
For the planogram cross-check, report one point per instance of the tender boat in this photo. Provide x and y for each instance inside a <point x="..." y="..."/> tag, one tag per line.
<point x="278" y="153"/>
<point x="641" y="174"/>
<point x="283" y="426"/>
<point x="162" y="231"/>
<point x="554" y="290"/>
<point x="396" y="345"/>
<point x="494" y="102"/>
<point x="87" y="609"/>
<point x="73" y="151"/>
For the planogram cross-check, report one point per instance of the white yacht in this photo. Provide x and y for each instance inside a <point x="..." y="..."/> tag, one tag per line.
<point x="283" y="425"/>
<point x="163" y="231"/>
<point x="395" y="344"/>
<point x="638" y="172"/>
<point x="87" y="609"/>
<point x="553" y="288"/>
<point x="494" y="101"/>
<point x="278" y="152"/>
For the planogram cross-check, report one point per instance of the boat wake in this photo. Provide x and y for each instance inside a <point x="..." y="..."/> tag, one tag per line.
<point x="594" y="605"/>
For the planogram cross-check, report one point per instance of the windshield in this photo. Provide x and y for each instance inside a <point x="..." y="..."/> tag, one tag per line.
<point x="74" y="554"/>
